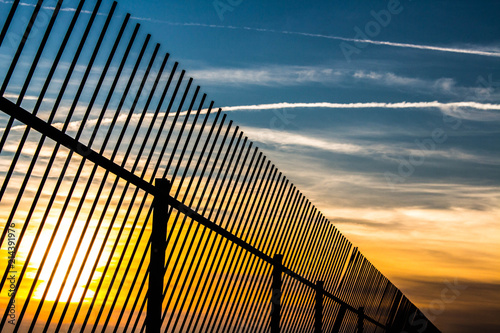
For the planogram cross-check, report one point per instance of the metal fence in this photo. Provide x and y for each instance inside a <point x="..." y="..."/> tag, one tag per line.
<point x="93" y="112"/>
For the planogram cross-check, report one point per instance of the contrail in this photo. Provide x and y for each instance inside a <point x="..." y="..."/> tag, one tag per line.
<point x="400" y="105"/>
<point x="403" y="45"/>
<point x="63" y="9"/>
<point x="366" y="41"/>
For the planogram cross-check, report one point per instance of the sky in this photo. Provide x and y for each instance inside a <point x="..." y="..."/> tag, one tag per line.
<point x="385" y="114"/>
<point x="395" y="139"/>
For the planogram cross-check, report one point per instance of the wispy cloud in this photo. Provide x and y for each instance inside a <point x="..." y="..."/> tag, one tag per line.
<point x="392" y="79"/>
<point x="301" y="143"/>
<point x="294" y="75"/>
<point x="267" y="75"/>
<point x="338" y="76"/>
<point x="282" y="138"/>
<point x="445" y="85"/>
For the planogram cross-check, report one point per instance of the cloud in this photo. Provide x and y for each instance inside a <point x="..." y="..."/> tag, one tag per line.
<point x="450" y="308"/>
<point x="282" y="138"/>
<point x="392" y="79"/>
<point x="444" y="85"/>
<point x="303" y="143"/>
<point x="275" y="76"/>
<point x="294" y="75"/>
<point x="27" y="97"/>
<point x="267" y="75"/>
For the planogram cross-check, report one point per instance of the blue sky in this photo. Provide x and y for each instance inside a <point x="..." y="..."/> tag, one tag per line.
<point x="395" y="139"/>
<point x="423" y="221"/>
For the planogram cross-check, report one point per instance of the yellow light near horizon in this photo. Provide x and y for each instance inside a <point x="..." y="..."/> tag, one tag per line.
<point x="52" y="294"/>
<point x="61" y="286"/>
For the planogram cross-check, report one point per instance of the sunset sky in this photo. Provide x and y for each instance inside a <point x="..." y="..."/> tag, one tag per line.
<point x="385" y="114"/>
<point x="425" y="90"/>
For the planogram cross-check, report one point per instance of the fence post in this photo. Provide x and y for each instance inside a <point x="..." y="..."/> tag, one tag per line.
<point x="339" y="319"/>
<point x="318" y="314"/>
<point x="361" y="316"/>
<point x="157" y="256"/>
<point x="276" y="293"/>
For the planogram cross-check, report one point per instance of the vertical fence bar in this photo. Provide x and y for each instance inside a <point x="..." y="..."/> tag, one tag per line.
<point x="158" y="245"/>
<point x="361" y="316"/>
<point x="276" y="293"/>
<point x="318" y="314"/>
<point x="8" y="20"/>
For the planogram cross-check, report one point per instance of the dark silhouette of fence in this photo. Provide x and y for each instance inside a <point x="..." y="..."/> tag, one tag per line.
<point x="131" y="205"/>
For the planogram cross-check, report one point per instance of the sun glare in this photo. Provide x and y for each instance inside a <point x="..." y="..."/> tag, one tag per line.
<point x="64" y="273"/>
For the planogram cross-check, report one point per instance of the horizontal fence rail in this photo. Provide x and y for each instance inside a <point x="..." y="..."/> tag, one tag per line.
<point x="131" y="204"/>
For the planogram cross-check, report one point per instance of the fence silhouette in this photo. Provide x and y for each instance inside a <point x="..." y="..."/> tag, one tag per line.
<point x="131" y="204"/>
